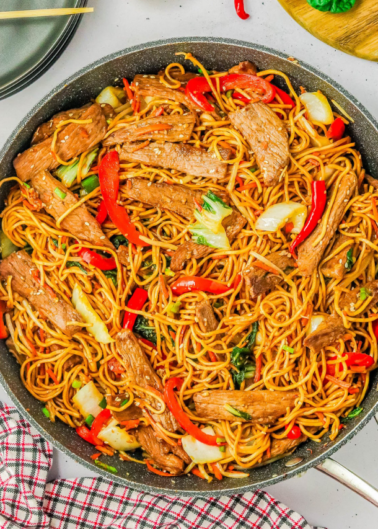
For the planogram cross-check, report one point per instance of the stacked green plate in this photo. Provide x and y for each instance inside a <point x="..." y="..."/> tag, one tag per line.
<point x="29" y="46"/>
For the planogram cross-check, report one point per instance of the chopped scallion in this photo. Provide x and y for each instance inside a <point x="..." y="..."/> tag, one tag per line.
<point x="89" y="420"/>
<point x="103" y="403"/>
<point x="76" y="384"/>
<point x="46" y="412"/>
<point x="364" y="293"/>
<point x="27" y="185"/>
<point x="229" y="94"/>
<point x="124" y="402"/>
<point x="174" y="307"/>
<point x="238" y="413"/>
<point x="222" y="448"/>
<point x="105" y="466"/>
<point x="91" y="183"/>
<point x="288" y="349"/>
<point x="59" y="193"/>
<point x="170" y="273"/>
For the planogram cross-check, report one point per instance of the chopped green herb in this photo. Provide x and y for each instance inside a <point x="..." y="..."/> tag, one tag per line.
<point x="288" y="349"/>
<point x="46" y="412"/>
<point x="111" y="274"/>
<point x="27" y="185"/>
<point x="105" y="466"/>
<point x="59" y="193"/>
<point x="91" y="183"/>
<point x="238" y="413"/>
<point x="170" y="273"/>
<point x="229" y="94"/>
<point x="168" y="260"/>
<point x="354" y="413"/>
<point x="56" y="243"/>
<point x="240" y="358"/>
<point x="222" y="448"/>
<point x="201" y="71"/>
<point x="145" y="330"/>
<point x="350" y="261"/>
<point x="218" y="304"/>
<point x="220" y="440"/>
<point x="174" y="307"/>
<point x="124" y="402"/>
<point x="103" y="403"/>
<point x="76" y="384"/>
<point x="70" y="264"/>
<point x="89" y="420"/>
<point x="253" y="169"/>
<point x="364" y="293"/>
<point x="118" y="240"/>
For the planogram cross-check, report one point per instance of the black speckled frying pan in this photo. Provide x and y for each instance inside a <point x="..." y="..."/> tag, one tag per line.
<point x="218" y="54"/>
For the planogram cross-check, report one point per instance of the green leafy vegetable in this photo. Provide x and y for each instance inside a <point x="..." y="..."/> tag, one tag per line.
<point x="238" y="413"/>
<point x="76" y="384"/>
<point x="350" y="261"/>
<point x="70" y="264"/>
<point x="118" y="240"/>
<point x="56" y="243"/>
<point x="68" y="173"/>
<point x="174" y="307"/>
<point x="7" y="246"/>
<point x="112" y="274"/>
<point x="252" y="169"/>
<point x="91" y="183"/>
<point x="208" y="230"/>
<point x="364" y="293"/>
<point x="354" y="413"/>
<point x="144" y="329"/>
<point x="240" y="358"/>
<point x="89" y="420"/>
<point x="334" y="6"/>
<point x="103" y="403"/>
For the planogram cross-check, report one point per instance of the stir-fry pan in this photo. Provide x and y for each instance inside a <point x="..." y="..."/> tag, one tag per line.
<point x="219" y="54"/>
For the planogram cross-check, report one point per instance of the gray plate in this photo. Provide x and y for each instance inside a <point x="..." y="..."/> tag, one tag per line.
<point x="79" y="89"/>
<point x="30" y="46"/>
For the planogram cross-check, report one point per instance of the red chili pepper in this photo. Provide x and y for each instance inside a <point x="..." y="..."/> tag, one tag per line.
<point x="192" y="283"/>
<point x="102" y="213"/>
<point x="86" y="434"/>
<point x="97" y="260"/>
<point x="180" y="415"/>
<point x="319" y="199"/>
<point x="136" y="302"/>
<point x="239" y="6"/>
<point x="197" y="86"/>
<point x="336" y="129"/>
<point x="108" y="174"/>
<point x="286" y="99"/>
<point x="98" y="423"/>
<point x="258" y="369"/>
<point x="294" y="433"/>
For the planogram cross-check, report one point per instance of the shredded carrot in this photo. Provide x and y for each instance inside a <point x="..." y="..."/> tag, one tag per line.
<point x="126" y="88"/>
<point x="306" y="315"/>
<point x="268" y="454"/>
<point x="321" y="417"/>
<point x="217" y="472"/>
<point x="172" y="335"/>
<point x="347" y="337"/>
<point x="337" y="382"/>
<point x="247" y="186"/>
<point x="152" y="128"/>
<point x="157" y="112"/>
<point x="289" y="227"/>
<point x="226" y="145"/>
<point x="156" y="471"/>
<point x="269" y="78"/>
<point x="107" y="451"/>
<point x="30" y="206"/>
<point x="358" y="369"/>
<point x="52" y="375"/>
<point x="42" y="370"/>
<point x="198" y="347"/>
<point x="239" y="181"/>
<point x="31" y="347"/>
<point x="259" y="264"/>
<point x="163" y="286"/>
<point x="352" y="391"/>
<point x="213" y="356"/>
<point x="96" y="456"/>
<point x="216" y="257"/>
<point x="140" y="146"/>
<point x="41" y="333"/>
<point x="129" y="425"/>
<point x="375" y="227"/>
<point x="197" y="472"/>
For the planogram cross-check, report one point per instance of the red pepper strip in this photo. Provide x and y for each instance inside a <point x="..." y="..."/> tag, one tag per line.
<point x="239" y="6"/>
<point x="136" y="302"/>
<point x="319" y="199"/>
<point x="213" y="356"/>
<point x="351" y="360"/>
<point x="294" y="433"/>
<point x="98" y="423"/>
<point x="286" y="99"/>
<point x="108" y="174"/>
<point x="97" y="260"/>
<point x="336" y="129"/>
<point x="147" y="342"/>
<point x="102" y="213"/>
<point x="86" y="434"/>
<point x="3" y="329"/>
<point x="180" y="415"/>
<point x="156" y="471"/>
<point x="258" y="369"/>
<point x="238" y="95"/>
<point x="197" y="86"/>
<point x="237" y="281"/>
<point x="189" y="283"/>
<point x="375" y="328"/>
<point x="115" y="366"/>
<point x="127" y="89"/>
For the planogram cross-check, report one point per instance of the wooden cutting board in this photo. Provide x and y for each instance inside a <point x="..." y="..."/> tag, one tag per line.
<point x="354" y="32"/>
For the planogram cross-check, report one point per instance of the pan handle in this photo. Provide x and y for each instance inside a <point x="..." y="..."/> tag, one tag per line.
<point x="349" y="479"/>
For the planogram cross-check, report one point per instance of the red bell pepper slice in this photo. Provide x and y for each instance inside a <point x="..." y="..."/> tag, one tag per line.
<point x="99" y="422"/>
<point x="136" y="302"/>
<point x="319" y="200"/>
<point x="239" y="6"/>
<point x="97" y="260"/>
<point x="336" y="129"/>
<point x="197" y="86"/>
<point x="351" y="360"/>
<point x="375" y="328"/>
<point x="181" y="417"/>
<point x="238" y="95"/>
<point x="86" y="434"/>
<point x="3" y="329"/>
<point x="294" y="433"/>
<point x="286" y="99"/>
<point x="147" y="342"/>
<point x="192" y="283"/>
<point x="115" y="367"/>
<point x="108" y="174"/>
<point x="102" y="213"/>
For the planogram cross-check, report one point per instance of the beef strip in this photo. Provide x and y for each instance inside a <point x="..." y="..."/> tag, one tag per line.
<point x="267" y="136"/>
<point x="21" y="268"/>
<point x="328" y="332"/>
<point x="80" y="223"/>
<point x="182" y="127"/>
<point x="263" y="406"/>
<point x="71" y="362"/>
<point x="260" y="281"/>
<point x="245" y="67"/>
<point x="335" y="267"/>
<point x="372" y="181"/>
<point x="159" y="451"/>
<point x="348" y="300"/>
<point x="150" y="86"/>
<point x="207" y="321"/>
<point x="309" y="256"/>
<point x="178" y="156"/>
<point x="280" y="447"/>
<point x="141" y="373"/>
<point x="233" y="224"/>
<point x="131" y="413"/>
<point x="72" y="140"/>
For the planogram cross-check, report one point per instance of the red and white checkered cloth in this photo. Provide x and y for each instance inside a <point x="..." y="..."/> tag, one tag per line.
<point x="27" y="501"/>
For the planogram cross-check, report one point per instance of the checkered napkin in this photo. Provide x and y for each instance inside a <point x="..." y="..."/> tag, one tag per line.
<point x="27" y="501"/>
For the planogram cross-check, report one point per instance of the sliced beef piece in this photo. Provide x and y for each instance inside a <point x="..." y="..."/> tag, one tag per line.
<point x="328" y="332"/>
<point x="151" y="86"/>
<point x="178" y="156"/>
<point x="260" y="281"/>
<point x="140" y="372"/>
<point x="24" y="273"/>
<point x="47" y="129"/>
<point x="131" y="413"/>
<point x="280" y="447"/>
<point x="263" y="406"/>
<point x="80" y="223"/>
<point x="233" y="224"/>
<point x="372" y="181"/>
<point x="335" y="267"/>
<point x="309" y="256"/>
<point x="72" y="361"/>
<point x="245" y="67"/>
<point x="159" y="451"/>
<point x="72" y="140"/>
<point x="182" y="127"/>
<point x="267" y="136"/>
<point x="348" y="301"/>
<point x="207" y="321"/>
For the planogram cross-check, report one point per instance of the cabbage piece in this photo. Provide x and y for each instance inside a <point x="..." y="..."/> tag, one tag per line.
<point x="112" y="95"/>
<point x="202" y="235"/>
<point x="88" y="399"/>
<point x="209" y="230"/>
<point x="316" y="320"/>
<point x="118" y="438"/>
<point x="200" y="453"/>
<point x="276" y="216"/>
<point x="98" y="328"/>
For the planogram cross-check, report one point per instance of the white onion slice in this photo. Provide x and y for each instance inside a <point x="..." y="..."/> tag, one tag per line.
<point x="276" y="216"/>
<point x="200" y="453"/>
<point x="317" y="107"/>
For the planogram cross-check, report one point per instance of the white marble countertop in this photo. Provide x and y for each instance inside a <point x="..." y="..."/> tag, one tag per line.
<point x="117" y="24"/>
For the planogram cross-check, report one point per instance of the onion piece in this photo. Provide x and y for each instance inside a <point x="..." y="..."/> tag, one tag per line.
<point x="317" y="107"/>
<point x="315" y="321"/>
<point x="112" y="95"/>
<point x="276" y="216"/>
<point x="118" y="438"/>
<point x="200" y="453"/>
<point x="88" y="399"/>
<point x="98" y="328"/>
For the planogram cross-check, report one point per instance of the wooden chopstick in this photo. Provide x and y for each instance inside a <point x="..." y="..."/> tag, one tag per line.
<point x="45" y="12"/>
